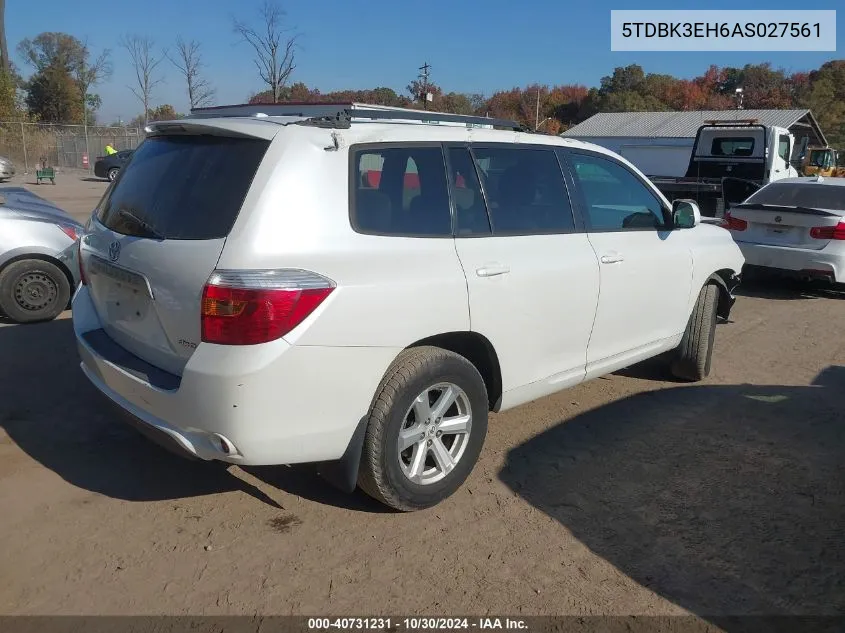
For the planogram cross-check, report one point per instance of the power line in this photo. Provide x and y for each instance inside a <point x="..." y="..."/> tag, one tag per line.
<point x="425" y="73"/>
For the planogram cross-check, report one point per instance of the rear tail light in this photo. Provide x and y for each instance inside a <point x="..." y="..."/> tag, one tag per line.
<point x="257" y="306"/>
<point x="82" y="277"/>
<point x="71" y="231"/>
<point x="828" y="232"/>
<point x="733" y="224"/>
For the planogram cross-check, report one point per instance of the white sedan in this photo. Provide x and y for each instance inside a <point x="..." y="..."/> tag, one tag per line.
<point x="795" y="226"/>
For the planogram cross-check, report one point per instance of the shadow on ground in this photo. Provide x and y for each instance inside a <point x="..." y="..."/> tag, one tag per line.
<point x="50" y="410"/>
<point x="725" y="500"/>
<point x="770" y="286"/>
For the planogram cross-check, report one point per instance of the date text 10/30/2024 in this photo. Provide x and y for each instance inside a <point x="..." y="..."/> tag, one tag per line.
<point x="415" y="624"/>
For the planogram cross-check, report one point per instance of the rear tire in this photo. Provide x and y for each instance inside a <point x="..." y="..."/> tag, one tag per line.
<point x="33" y="290"/>
<point x="694" y="354"/>
<point x="112" y="173"/>
<point x="410" y="406"/>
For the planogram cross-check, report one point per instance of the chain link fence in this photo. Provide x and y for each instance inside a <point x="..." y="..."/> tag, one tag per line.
<point x="31" y="145"/>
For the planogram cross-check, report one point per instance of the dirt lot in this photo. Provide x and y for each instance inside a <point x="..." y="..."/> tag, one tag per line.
<point x="627" y="495"/>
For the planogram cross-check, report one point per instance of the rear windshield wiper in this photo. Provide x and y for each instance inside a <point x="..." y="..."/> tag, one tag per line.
<point x="148" y="228"/>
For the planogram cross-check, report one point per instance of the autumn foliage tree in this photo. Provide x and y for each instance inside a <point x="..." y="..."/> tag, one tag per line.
<point x="63" y="73"/>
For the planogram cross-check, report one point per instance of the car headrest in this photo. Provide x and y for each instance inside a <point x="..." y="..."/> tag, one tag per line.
<point x="373" y="209"/>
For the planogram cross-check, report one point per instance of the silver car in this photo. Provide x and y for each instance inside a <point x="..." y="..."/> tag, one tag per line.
<point x="7" y="168"/>
<point x="38" y="256"/>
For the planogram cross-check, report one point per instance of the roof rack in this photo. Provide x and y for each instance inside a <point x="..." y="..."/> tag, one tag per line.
<point x="341" y="115"/>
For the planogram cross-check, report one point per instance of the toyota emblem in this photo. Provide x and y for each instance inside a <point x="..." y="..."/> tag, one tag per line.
<point x="777" y="219"/>
<point x="114" y="251"/>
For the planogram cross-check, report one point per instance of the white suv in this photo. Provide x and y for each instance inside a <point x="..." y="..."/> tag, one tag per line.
<point x="362" y="289"/>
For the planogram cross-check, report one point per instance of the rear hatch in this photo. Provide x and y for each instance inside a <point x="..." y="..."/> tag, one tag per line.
<point x="159" y="233"/>
<point x="791" y="214"/>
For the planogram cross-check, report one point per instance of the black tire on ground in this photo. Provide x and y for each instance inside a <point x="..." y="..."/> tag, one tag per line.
<point x="112" y="173"/>
<point x="693" y="355"/>
<point x="33" y="290"/>
<point x="414" y="371"/>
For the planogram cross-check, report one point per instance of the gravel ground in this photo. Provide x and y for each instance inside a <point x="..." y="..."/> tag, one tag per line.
<point x="631" y="494"/>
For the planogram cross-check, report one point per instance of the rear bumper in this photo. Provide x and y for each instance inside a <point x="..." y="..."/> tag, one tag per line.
<point x="251" y="405"/>
<point x="817" y="263"/>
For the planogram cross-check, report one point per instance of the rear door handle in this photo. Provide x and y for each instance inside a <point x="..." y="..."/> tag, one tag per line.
<point x="612" y="259"/>
<point x="491" y="270"/>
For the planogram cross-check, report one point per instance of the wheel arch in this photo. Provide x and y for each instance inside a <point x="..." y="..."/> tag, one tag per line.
<point x="478" y="350"/>
<point x="475" y="347"/>
<point x="726" y="280"/>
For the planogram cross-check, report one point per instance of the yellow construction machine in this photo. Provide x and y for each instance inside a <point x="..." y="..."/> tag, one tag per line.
<point x="823" y="161"/>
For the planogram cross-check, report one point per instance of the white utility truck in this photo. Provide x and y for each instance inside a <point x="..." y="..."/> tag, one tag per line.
<point x="738" y="156"/>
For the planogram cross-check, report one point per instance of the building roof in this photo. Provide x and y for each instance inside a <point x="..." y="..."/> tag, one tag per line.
<point x="685" y="124"/>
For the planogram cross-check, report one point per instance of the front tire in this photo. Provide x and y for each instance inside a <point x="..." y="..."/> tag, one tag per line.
<point x="33" y="290"/>
<point x="425" y="431"/>
<point x="693" y="356"/>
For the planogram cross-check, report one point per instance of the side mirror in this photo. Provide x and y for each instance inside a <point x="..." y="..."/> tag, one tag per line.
<point x="685" y="214"/>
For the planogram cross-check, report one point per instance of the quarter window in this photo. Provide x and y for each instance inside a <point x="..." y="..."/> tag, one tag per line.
<point x="525" y="191"/>
<point x="616" y="200"/>
<point x="400" y="191"/>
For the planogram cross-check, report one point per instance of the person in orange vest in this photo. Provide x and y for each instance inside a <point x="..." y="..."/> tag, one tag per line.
<point x="110" y="150"/>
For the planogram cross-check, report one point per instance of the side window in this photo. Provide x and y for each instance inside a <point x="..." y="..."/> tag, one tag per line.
<point x="525" y="189"/>
<point x="400" y="191"/>
<point x="783" y="148"/>
<point x="615" y="198"/>
<point x="466" y="193"/>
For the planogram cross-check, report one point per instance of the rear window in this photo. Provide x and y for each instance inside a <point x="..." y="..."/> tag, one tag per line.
<point x="810" y="195"/>
<point x="732" y="146"/>
<point x="183" y="187"/>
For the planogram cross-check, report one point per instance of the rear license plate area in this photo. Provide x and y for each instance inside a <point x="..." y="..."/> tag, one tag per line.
<point x="123" y="294"/>
<point x="779" y="231"/>
<point x="119" y="276"/>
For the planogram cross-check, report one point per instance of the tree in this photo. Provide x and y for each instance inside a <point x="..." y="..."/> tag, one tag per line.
<point x="826" y="98"/>
<point x="164" y="112"/>
<point x="52" y="97"/>
<point x="145" y="62"/>
<point x="629" y="89"/>
<point x="274" y="50"/>
<point x="188" y="61"/>
<point x="456" y="103"/>
<point x="90" y="73"/>
<point x="9" y="107"/>
<point x="765" y="88"/>
<point x="5" y="62"/>
<point x="52" y="91"/>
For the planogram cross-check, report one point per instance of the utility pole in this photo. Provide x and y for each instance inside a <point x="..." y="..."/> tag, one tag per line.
<point x="537" y="116"/>
<point x="424" y="74"/>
